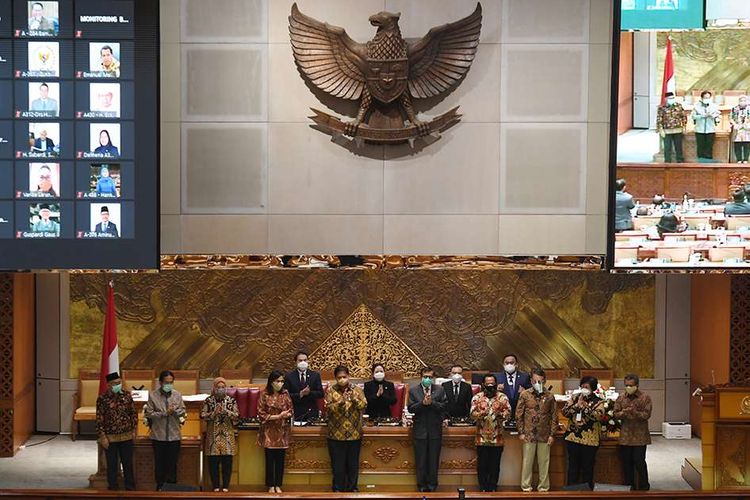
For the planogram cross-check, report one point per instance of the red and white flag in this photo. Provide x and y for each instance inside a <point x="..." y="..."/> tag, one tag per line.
<point x="110" y="352"/>
<point x="668" y="83"/>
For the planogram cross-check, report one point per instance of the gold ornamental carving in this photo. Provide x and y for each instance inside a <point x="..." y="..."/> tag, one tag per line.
<point x="386" y="453"/>
<point x="458" y="464"/>
<point x="362" y="340"/>
<point x="406" y="465"/>
<point x="745" y="405"/>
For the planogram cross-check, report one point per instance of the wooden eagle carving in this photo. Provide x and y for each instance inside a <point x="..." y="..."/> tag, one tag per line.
<point x="386" y="73"/>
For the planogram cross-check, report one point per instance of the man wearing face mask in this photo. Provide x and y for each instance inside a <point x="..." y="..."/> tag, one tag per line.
<point x="706" y="116"/>
<point x="740" y="120"/>
<point x="116" y="424"/>
<point x="536" y="415"/>
<point x="458" y="393"/>
<point x="511" y="382"/>
<point x="584" y="412"/>
<point x="427" y="402"/>
<point x="489" y="409"/>
<point x="634" y="408"/>
<point x="305" y="388"/>
<point x="345" y="403"/>
<point x="670" y="124"/>
<point x="380" y="394"/>
<point x="164" y="413"/>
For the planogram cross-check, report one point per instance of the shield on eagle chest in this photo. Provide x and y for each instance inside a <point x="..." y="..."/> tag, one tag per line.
<point x="387" y="78"/>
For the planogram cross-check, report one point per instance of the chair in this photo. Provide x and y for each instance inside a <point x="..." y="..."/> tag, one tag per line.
<point x="186" y="381"/>
<point x="84" y="401"/>
<point x="327" y="375"/>
<point x="676" y="254"/>
<point x="720" y="254"/>
<point x="644" y="221"/>
<point x="735" y="222"/>
<point x="475" y="377"/>
<point x="138" y="379"/>
<point x="624" y="253"/>
<point x="322" y="401"/>
<point x="673" y="237"/>
<point x="556" y="379"/>
<point x="395" y="376"/>
<point x="241" y="377"/>
<point x="630" y="235"/>
<point x="475" y="388"/>
<point x="605" y="377"/>
<point x="694" y="222"/>
<point x="402" y="392"/>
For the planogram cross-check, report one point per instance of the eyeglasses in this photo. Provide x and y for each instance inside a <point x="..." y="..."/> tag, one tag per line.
<point x="45" y="177"/>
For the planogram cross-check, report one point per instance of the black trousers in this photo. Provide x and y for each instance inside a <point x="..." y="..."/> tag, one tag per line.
<point x="704" y="145"/>
<point x="166" y="454"/>
<point x="116" y="454"/>
<point x="488" y="467"/>
<point x="274" y="467"/>
<point x="345" y="464"/>
<point x="673" y="141"/>
<point x="634" y="467"/>
<point x="215" y="462"/>
<point x="581" y="463"/>
<point x="427" y="458"/>
<point x="742" y="151"/>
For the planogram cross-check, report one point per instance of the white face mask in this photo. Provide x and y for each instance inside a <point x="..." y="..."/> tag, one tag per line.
<point x="302" y="365"/>
<point x="670" y="100"/>
<point x="585" y="392"/>
<point x="706" y="101"/>
<point x="379" y="376"/>
<point x="457" y="377"/>
<point x="538" y="387"/>
<point x="509" y="368"/>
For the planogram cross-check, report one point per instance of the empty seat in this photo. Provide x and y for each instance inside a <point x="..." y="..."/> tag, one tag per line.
<point x="720" y="254"/>
<point x="675" y="254"/>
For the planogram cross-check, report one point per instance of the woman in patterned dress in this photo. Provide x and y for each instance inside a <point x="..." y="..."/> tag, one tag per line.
<point x="275" y="410"/>
<point x="221" y="414"/>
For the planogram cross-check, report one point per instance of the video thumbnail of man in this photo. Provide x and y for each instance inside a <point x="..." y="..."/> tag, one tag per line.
<point x="105" y="219"/>
<point x="103" y="100"/>
<point x="43" y="140"/>
<point x="43" y="99"/>
<point x="104" y="60"/>
<point x="44" y="221"/>
<point x="38" y="180"/>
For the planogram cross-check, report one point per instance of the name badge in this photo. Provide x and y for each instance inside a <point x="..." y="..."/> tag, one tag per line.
<point x="579" y="417"/>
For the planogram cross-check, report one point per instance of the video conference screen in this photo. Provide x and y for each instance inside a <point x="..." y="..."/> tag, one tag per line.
<point x="79" y="150"/>
<point x="662" y="14"/>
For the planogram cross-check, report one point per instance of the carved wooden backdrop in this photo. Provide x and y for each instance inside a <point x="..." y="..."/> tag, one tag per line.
<point x="739" y="331"/>
<point x="226" y="319"/>
<point x="6" y="365"/>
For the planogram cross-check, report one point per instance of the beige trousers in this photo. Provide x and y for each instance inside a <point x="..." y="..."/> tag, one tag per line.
<point x="541" y="452"/>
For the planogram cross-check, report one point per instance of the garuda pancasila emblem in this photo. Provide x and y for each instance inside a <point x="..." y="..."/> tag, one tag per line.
<point x="384" y="74"/>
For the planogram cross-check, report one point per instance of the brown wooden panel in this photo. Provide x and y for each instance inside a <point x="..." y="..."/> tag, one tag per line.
<point x="24" y="402"/>
<point x="672" y="179"/>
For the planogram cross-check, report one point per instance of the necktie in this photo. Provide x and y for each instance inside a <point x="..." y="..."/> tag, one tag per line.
<point x="455" y="390"/>
<point x="304" y="377"/>
<point x="510" y="380"/>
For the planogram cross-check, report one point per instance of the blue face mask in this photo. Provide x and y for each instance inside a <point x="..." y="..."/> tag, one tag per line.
<point x="167" y="388"/>
<point x="117" y="389"/>
<point x="426" y="381"/>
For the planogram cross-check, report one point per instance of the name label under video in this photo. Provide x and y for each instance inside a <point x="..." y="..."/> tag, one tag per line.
<point x="34" y="33"/>
<point x="82" y="195"/>
<point x="36" y="234"/>
<point x="95" y="74"/>
<point x="37" y="73"/>
<point x="36" y="114"/>
<point x="104" y="19"/>
<point x="37" y="154"/>
<point x="95" y="235"/>
<point x="34" y="194"/>
<point x="96" y="114"/>
<point x="95" y="156"/>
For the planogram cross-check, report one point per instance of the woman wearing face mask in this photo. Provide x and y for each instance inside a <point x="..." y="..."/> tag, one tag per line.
<point x="345" y="403"/>
<point x="706" y="116"/>
<point x="740" y="120"/>
<point x="221" y="414"/>
<point x="489" y="409"/>
<point x="380" y="393"/>
<point x="275" y="411"/>
<point x="584" y="412"/>
<point x="163" y="412"/>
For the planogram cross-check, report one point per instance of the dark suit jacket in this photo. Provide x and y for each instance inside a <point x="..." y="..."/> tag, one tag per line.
<point x="521" y="381"/>
<point x="379" y="406"/>
<point x="461" y="406"/>
<point x="111" y="229"/>
<point x="48" y="145"/>
<point x="304" y="407"/>
<point x="428" y="419"/>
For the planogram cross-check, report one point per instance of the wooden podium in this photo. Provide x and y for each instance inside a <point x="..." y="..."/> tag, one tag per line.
<point x="725" y="427"/>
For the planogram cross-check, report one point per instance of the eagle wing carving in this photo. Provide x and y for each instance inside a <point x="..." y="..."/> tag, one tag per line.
<point x="328" y="56"/>
<point x="439" y="61"/>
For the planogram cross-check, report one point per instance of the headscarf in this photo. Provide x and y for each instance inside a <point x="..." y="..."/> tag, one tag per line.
<point x="217" y="381"/>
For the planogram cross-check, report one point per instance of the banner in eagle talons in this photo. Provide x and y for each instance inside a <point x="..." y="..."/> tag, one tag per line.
<point x="384" y="74"/>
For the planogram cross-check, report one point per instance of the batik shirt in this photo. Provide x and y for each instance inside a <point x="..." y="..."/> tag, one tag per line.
<point x="489" y="415"/>
<point x="116" y="416"/>
<point x="584" y="426"/>
<point x="345" y="408"/>
<point x="221" y="416"/>
<point x="634" y="411"/>
<point x="536" y="415"/>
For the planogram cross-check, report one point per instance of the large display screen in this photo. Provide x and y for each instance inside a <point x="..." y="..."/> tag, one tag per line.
<point x="79" y="136"/>
<point x="662" y="14"/>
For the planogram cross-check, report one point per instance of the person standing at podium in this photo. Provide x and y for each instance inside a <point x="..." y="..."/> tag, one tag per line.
<point x="458" y="394"/>
<point x="305" y="388"/>
<point x="584" y="412"/>
<point x="511" y="381"/>
<point x="670" y="124"/>
<point x="275" y="412"/>
<point x="634" y="408"/>
<point x="380" y="394"/>
<point x="427" y="402"/>
<point x="221" y="414"/>
<point x="489" y="409"/>
<point x="164" y="413"/>
<point x="345" y="404"/>
<point x="536" y="415"/>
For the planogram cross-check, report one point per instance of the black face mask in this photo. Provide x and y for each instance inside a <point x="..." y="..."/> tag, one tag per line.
<point x="490" y="390"/>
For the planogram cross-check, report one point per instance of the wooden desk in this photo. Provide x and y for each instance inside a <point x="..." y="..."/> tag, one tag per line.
<point x="703" y="180"/>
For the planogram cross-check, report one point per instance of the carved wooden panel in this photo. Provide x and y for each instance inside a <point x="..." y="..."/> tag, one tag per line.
<point x="700" y="179"/>
<point x="732" y="469"/>
<point x="739" y="330"/>
<point x="209" y="320"/>
<point x="6" y="365"/>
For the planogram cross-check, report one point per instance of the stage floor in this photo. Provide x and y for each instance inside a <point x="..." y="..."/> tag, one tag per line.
<point x="62" y="463"/>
